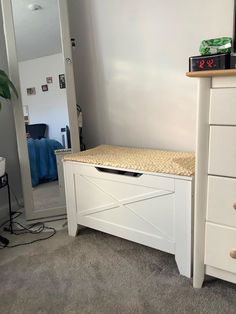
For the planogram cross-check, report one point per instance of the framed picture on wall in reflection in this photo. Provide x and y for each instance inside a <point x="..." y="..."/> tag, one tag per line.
<point x="31" y="91"/>
<point x="44" y="88"/>
<point x="49" y="79"/>
<point x="62" y="81"/>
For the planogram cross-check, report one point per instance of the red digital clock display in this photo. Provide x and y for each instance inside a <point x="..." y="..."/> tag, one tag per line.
<point x="207" y="63"/>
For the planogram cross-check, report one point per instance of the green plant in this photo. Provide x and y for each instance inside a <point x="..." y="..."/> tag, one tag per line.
<point x="5" y="85"/>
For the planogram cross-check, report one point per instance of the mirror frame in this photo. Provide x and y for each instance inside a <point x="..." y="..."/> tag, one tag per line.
<point x="9" y="30"/>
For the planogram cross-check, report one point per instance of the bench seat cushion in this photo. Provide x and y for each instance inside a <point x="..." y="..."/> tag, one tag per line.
<point x="146" y="160"/>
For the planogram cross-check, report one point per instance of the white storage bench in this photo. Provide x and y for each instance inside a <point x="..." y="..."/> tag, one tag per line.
<point x="145" y="196"/>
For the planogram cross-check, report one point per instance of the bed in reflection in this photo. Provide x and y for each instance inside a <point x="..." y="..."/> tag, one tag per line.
<point x="42" y="158"/>
<point x="43" y="165"/>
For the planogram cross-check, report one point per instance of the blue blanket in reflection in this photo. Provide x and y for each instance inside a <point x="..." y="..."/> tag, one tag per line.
<point x="42" y="159"/>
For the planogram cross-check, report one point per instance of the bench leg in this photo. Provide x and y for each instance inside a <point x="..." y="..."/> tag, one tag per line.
<point x="184" y="226"/>
<point x="72" y="229"/>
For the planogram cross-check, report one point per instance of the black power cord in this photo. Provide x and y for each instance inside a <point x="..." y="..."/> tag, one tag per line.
<point x="17" y="213"/>
<point x="34" y="228"/>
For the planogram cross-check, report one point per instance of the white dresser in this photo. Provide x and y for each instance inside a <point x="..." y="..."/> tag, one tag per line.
<point x="215" y="190"/>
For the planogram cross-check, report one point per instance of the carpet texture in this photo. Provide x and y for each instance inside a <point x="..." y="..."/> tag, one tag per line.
<point x="47" y="195"/>
<point x="98" y="273"/>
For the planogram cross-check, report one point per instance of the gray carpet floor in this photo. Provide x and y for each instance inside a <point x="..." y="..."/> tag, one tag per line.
<point x="98" y="273"/>
<point x="47" y="195"/>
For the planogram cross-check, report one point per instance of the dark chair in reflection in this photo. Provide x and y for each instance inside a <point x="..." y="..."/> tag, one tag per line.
<point x="37" y="131"/>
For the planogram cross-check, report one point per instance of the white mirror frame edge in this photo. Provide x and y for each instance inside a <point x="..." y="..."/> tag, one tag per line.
<point x="9" y="31"/>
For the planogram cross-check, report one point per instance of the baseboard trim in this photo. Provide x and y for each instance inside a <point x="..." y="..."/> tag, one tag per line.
<point x="47" y="219"/>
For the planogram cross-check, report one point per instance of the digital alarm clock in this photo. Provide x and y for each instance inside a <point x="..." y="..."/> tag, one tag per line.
<point x="219" y="61"/>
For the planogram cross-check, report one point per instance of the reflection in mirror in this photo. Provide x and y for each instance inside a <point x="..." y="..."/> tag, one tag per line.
<point x="44" y="100"/>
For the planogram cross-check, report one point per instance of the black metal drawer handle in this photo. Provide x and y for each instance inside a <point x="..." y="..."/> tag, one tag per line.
<point x="120" y="172"/>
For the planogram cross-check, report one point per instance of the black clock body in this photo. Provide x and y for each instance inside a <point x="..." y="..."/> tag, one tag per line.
<point x="220" y="61"/>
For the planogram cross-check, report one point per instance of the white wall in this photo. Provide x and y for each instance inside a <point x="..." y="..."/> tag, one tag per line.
<point x="130" y="64"/>
<point x="45" y="107"/>
<point x="8" y="147"/>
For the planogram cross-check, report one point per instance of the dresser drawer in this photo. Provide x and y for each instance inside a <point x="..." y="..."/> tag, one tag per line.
<point x="223" y="106"/>
<point x="222" y="151"/>
<point x="220" y="201"/>
<point x="220" y="242"/>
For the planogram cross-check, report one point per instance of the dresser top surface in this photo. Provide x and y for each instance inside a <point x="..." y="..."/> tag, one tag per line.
<point x="212" y="73"/>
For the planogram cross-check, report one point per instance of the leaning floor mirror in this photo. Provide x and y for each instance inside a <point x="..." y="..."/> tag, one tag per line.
<point x="41" y="67"/>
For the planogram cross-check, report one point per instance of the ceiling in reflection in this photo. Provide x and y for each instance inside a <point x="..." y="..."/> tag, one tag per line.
<point x="37" y="32"/>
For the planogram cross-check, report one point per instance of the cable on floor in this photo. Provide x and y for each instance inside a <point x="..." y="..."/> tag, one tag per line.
<point x="34" y="228"/>
<point x="19" y="204"/>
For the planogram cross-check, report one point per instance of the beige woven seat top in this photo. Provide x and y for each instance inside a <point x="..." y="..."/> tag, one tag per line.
<point x="64" y="150"/>
<point x="148" y="160"/>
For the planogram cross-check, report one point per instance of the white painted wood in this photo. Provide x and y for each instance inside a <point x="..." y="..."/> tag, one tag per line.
<point x="223" y="106"/>
<point x="30" y="212"/>
<point x="151" y="180"/>
<point x="70" y="199"/>
<point x="222" y="274"/>
<point x="17" y="106"/>
<point x="220" y="240"/>
<point x="61" y="178"/>
<point x="127" y="191"/>
<point x="222" y="151"/>
<point x="143" y="209"/>
<point x="201" y="179"/>
<point x="160" y="175"/>
<point x="153" y="209"/>
<point x="60" y="171"/>
<point x="157" y="212"/>
<point x="69" y="74"/>
<point x="183" y="226"/>
<point x="221" y="197"/>
<point x="212" y="248"/>
<point x="224" y="82"/>
<point x="129" y="233"/>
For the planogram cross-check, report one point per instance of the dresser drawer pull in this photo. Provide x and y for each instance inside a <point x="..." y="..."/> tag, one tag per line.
<point x="233" y="254"/>
<point x="234" y="206"/>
